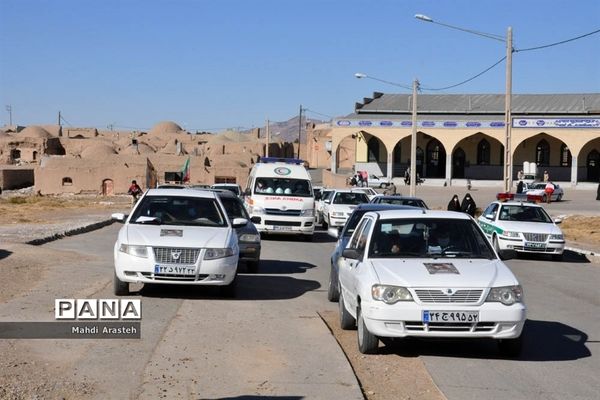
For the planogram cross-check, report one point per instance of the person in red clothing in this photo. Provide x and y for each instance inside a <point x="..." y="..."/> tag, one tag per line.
<point x="135" y="191"/>
<point x="549" y="189"/>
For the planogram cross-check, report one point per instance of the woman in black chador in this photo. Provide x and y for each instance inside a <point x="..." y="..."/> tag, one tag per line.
<point x="454" y="204"/>
<point x="468" y="205"/>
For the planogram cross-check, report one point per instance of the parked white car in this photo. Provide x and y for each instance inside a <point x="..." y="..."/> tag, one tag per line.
<point x="320" y="204"/>
<point x="177" y="236"/>
<point x="377" y="181"/>
<point x="339" y="206"/>
<point x="429" y="274"/>
<point x="522" y="227"/>
<point x="538" y="189"/>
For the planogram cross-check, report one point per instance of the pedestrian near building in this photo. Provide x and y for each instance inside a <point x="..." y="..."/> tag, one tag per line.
<point x="548" y="190"/>
<point x="520" y="175"/>
<point x="546" y="176"/>
<point x="454" y="204"/>
<point x="520" y="187"/>
<point x="390" y="190"/>
<point x="468" y="205"/>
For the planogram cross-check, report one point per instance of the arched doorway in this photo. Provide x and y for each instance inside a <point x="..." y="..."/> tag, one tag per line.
<point x="420" y="157"/>
<point x="435" y="159"/>
<point x="397" y="168"/>
<point x="373" y="150"/>
<point x="593" y="166"/>
<point x="458" y="163"/>
<point x="107" y="187"/>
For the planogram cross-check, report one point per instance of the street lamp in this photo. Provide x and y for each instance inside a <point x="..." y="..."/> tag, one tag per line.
<point x="413" y="137"/>
<point x="508" y="96"/>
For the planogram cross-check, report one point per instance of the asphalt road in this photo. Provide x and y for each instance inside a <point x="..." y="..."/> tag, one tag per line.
<point x="270" y="342"/>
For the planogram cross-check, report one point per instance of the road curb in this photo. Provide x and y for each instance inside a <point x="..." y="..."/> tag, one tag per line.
<point x="582" y="251"/>
<point x="71" y="232"/>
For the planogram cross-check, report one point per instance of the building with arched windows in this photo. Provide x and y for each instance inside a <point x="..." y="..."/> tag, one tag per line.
<point x="463" y="136"/>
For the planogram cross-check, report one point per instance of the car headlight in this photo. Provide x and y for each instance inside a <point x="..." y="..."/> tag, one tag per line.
<point x="212" y="254"/>
<point x="132" y="250"/>
<point x="337" y="214"/>
<point x="510" y="234"/>
<point x="250" y="237"/>
<point x="256" y="210"/>
<point x="557" y="237"/>
<point x="390" y="294"/>
<point x="506" y="295"/>
<point x="307" y="213"/>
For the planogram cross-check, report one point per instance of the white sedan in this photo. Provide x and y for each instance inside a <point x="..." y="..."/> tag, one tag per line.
<point x="428" y="274"/>
<point x="339" y="206"/>
<point x="177" y="236"/>
<point x="522" y="227"/>
<point x="538" y="189"/>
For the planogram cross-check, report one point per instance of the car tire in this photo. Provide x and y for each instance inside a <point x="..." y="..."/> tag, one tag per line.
<point x="347" y="321"/>
<point x="333" y="293"/>
<point x="120" y="288"/>
<point x="383" y="186"/>
<point x="510" y="347"/>
<point x="252" y="266"/>
<point x="557" y="257"/>
<point x="367" y="342"/>
<point x="229" y="291"/>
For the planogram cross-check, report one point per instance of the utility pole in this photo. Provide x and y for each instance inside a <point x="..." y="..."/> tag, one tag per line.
<point x="508" y="161"/>
<point x="413" y="142"/>
<point x="59" y="119"/>
<point x="299" y="129"/>
<point x="9" y="109"/>
<point x="268" y="140"/>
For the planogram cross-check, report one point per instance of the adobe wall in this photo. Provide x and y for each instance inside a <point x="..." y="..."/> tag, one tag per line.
<point x="16" y="178"/>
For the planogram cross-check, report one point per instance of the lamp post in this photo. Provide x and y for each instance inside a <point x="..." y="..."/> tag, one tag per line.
<point x="508" y="93"/>
<point x="9" y="109"/>
<point x="413" y="137"/>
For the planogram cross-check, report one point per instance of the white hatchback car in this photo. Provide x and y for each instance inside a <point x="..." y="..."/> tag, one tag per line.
<point x="429" y="274"/>
<point x="177" y="236"/>
<point x="522" y="227"/>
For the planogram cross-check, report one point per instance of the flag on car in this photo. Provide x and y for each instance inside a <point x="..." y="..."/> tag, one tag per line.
<point x="185" y="171"/>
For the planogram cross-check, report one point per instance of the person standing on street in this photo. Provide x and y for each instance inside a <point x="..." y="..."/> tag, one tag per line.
<point x="454" y="204"/>
<point x="546" y="176"/>
<point x="468" y="205"/>
<point x="548" y="190"/>
<point x="520" y="187"/>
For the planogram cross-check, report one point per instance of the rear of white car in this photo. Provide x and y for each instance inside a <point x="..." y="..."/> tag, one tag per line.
<point x="177" y="237"/>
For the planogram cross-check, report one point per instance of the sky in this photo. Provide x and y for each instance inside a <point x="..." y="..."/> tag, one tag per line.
<point x="217" y="64"/>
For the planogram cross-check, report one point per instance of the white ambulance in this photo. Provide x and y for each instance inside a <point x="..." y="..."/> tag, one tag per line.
<point x="279" y="197"/>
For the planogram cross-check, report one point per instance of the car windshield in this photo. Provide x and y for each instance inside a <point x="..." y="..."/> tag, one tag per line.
<point x="293" y="187"/>
<point x="234" y="208"/>
<point x="428" y="238"/>
<point x="524" y="213"/>
<point x="350" y="198"/>
<point x="179" y="210"/>
<point x="403" y="202"/>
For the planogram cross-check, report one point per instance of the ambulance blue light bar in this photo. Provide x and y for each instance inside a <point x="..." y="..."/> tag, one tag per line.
<point x="281" y="160"/>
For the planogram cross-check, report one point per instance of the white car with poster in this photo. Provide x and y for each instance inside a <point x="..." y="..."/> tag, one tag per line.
<point x="430" y="274"/>
<point x="522" y="227"/>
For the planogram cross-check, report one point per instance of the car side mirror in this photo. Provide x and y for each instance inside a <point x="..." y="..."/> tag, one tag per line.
<point x="351" y="253"/>
<point x="239" y="222"/>
<point x="119" y="217"/>
<point x="489" y="216"/>
<point x="327" y="201"/>
<point x="333" y="232"/>
<point x="558" y="220"/>
<point x="507" y="254"/>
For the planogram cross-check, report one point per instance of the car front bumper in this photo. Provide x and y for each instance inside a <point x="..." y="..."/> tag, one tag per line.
<point x="284" y="225"/>
<point x="218" y="272"/>
<point x="522" y="246"/>
<point x="405" y="319"/>
<point x="249" y="251"/>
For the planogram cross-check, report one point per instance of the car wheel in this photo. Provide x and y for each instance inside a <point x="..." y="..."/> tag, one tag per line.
<point x="252" y="266"/>
<point x="382" y="186"/>
<point x="510" y="347"/>
<point x="557" y="257"/>
<point x="333" y="293"/>
<point x="121" y="288"/>
<point x="347" y="321"/>
<point x="230" y="290"/>
<point x="367" y="342"/>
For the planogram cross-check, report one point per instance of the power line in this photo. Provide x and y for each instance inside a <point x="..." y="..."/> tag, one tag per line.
<point x="318" y="113"/>
<point x="468" y="80"/>
<point x="558" y="43"/>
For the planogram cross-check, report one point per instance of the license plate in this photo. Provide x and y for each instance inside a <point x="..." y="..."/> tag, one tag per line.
<point x="450" y="316"/>
<point x="534" y="245"/>
<point x="174" y="269"/>
<point x="281" y="228"/>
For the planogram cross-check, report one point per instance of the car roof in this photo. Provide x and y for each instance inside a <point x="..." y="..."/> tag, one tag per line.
<point x="185" y="192"/>
<point x="420" y="213"/>
<point x="518" y="203"/>
<point x="380" y="207"/>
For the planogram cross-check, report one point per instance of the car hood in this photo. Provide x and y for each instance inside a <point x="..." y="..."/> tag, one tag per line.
<point x="533" y="227"/>
<point x="178" y="236"/>
<point x="465" y="272"/>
